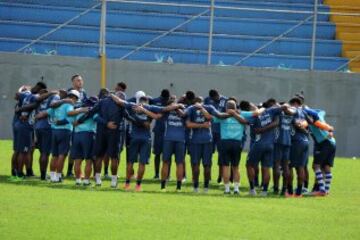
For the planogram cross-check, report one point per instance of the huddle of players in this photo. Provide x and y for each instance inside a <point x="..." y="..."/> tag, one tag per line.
<point x="95" y="129"/>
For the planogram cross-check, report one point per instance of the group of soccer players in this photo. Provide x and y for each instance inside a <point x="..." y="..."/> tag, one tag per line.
<point x="69" y="124"/>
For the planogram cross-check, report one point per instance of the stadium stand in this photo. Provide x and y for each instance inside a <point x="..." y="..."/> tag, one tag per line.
<point x="237" y="33"/>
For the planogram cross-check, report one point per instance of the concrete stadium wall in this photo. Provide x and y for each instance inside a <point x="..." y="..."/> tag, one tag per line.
<point x="337" y="93"/>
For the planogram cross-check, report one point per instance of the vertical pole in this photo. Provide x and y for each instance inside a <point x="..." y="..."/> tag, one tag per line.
<point x="102" y="44"/>
<point x="211" y="27"/>
<point x="313" y="43"/>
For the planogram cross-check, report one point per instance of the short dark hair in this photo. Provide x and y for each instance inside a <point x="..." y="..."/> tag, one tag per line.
<point x="122" y="85"/>
<point x="295" y="100"/>
<point x="75" y="76"/>
<point x="213" y="93"/>
<point x="234" y="99"/>
<point x="165" y="93"/>
<point x="41" y="85"/>
<point x="270" y="102"/>
<point x="244" y="105"/>
<point x="190" y="95"/>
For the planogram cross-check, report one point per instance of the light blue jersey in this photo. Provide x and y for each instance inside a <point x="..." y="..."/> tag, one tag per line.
<point x="231" y="129"/>
<point x="88" y="126"/>
<point x="318" y="134"/>
<point x="61" y="113"/>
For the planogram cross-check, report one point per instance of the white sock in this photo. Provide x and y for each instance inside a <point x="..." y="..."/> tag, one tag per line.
<point x="97" y="176"/>
<point x="227" y="187"/>
<point x="86" y="181"/>
<point x="236" y="186"/>
<point x="58" y="176"/>
<point x="78" y="180"/>
<point x="114" y="178"/>
<point x="52" y="176"/>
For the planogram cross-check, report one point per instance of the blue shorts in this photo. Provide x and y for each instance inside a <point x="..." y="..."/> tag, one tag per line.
<point x="201" y="152"/>
<point x="82" y="145"/>
<point x="14" y="135"/>
<point x="139" y="147"/>
<point x="108" y="142"/>
<point x="23" y="138"/>
<point x="60" y="141"/>
<point x="176" y="148"/>
<point x="261" y="153"/>
<point x="158" y="143"/>
<point x="43" y="140"/>
<point x="231" y="152"/>
<point x="324" y="153"/>
<point x="299" y="154"/>
<point x="281" y="153"/>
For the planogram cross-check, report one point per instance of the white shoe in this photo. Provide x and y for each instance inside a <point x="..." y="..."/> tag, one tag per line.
<point x="263" y="194"/>
<point x="114" y="184"/>
<point x="183" y="180"/>
<point x="196" y="190"/>
<point x="252" y="192"/>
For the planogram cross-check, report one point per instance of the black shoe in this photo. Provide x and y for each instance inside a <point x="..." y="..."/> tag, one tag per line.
<point x="227" y="193"/>
<point x="69" y="174"/>
<point x="219" y="179"/>
<point x="13" y="172"/>
<point x="236" y="193"/>
<point x="156" y="177"/>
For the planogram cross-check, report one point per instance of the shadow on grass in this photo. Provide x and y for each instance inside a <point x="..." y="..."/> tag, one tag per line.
<point x="69" y="185"/>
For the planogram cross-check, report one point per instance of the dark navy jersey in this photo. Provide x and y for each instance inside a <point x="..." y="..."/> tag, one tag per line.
<point x="298" y="135"/>
<point x="19" y="103"/>
<point x="199" y="135"/>
<point x="159" y="127"/>
<point x="264" y="120"/>
<point x="283" y="131"/>
<point x="220" y="106"/>
<point x="45" y="105"/>
<point x="174" y="127"/>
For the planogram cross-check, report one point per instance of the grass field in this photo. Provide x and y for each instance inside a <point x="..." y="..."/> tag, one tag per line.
<point x="36" y="210"/>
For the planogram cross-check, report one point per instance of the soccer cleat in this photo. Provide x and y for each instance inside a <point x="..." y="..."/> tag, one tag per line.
<point x="183" y="180"/>
<point x="298" y="196"/>
<point x="156" y="177"/>
<point x="163" y="190"/>
<point x="138" y="188"/>
<point x="196" y="190"/>
<point x="114" y="184"/>
<point x="127" y="187"/>
<point x="264" y="194"/>
<point x="107" y="177"/>
<point x="206" y="190"/>
<point x="252" y="192"/>
<point x="318" y="194"/>
<point x="219" y="180"/>
<point x="236" y="192"/>
<point x="98" y="183"/>
<point x="226" y="192"/>
<point x="178" y="190"/>
<point x="288" y="195"/>
<point x="77" y="183"/>
<point x="305" y="191"/>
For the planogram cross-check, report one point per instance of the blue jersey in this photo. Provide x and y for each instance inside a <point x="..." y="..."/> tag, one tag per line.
<point x="220" y="106"/>
<point x="318" y="134"/>
<point x="19" y="103"/>
<point x="264" y="120"/>
<point x="59" y="114"/>
<point x="159" y="127"/>
<point x="283" y="131"/>
<point x="89" y="125"/>
<point x="108" y="111"/>
<point x="298" y="135"/>
<point x="29" y="115"/>
<point x="137" y="130"/>
<point x="232" y="129"/>
<point x="199" y="135"/>
<point x="44" y="106"/>
<point x="174" y="127"/>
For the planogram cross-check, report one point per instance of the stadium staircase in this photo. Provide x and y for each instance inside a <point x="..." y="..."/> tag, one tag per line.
<point x="237" y="33"/>
<point x="348" y="29"/>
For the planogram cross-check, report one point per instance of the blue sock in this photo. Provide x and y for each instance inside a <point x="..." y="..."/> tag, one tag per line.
<point x="328" y="178"/>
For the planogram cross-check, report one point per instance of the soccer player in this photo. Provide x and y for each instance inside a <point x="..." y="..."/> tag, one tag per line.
<point x="174" y="144"/>
<point x="108" y="132"/>
<point x="282" y="152"/>
<point x="43" y="134"/>
<point x="232" y="130"/>
<point x="262" y="149"/>
<point x="83" y="142"/>
<point x="158" y="130"/>
<point x="299" y="150"/>
<point x="61" y="124"/>
<point x="24" y="127"/>
<point x="324" y="150"/>
<point x="140" y="145"/>
<point x="201" y="146"/>
<point x="219" y="103"/>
